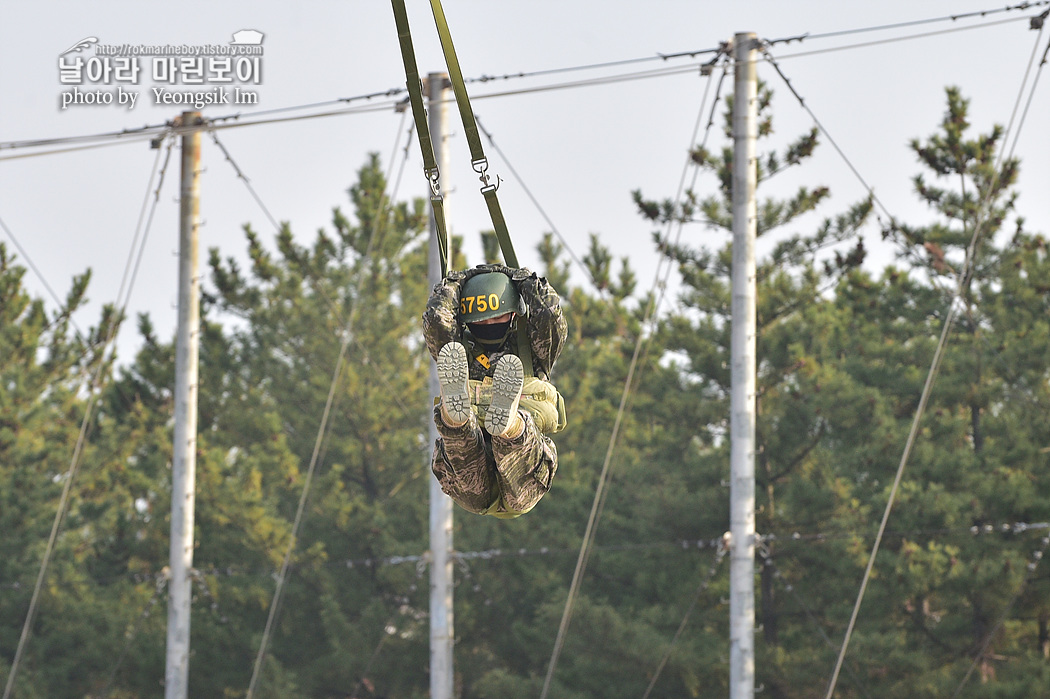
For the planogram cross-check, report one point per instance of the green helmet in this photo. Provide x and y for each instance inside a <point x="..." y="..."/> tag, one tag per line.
<point x="486" y="296"/>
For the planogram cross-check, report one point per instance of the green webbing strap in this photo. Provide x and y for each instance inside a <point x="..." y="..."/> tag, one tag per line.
<point x="419" y="115"/>
<point x="500" y="226"/>
<point x="438" y="205"/>
<point x="524" y="348"/>
<point x="470" y="126"/>
<point x="415" y="90"/>
<point x="470" y="129"/>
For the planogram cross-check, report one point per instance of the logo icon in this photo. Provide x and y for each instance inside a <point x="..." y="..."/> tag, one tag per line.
<point x="247" y="37"/>
<point x="84" y="43"/>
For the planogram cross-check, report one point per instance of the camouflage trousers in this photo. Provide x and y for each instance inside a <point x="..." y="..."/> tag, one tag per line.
<point x="493" y="475"/>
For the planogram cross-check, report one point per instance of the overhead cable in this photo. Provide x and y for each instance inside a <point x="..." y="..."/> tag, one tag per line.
<point x="981" y="654"/>
<point x="93" y="386"/>
<point x="277" y="229"/>
<point x="322" y="432"/>
<point x="590" y="66"/>
<point x="247" y="183"/>
<point x="688" y="546"/>
<point x="132" y="633"/>
<point x="912" y="23"/>
<point x="963" y="281"/>
<point x="705" y="582"/>
<point x="896" y="39"/>
<point x="535" y="202"/>
<point x="767" y="558"/>
<point x="241" y="119"/>
<point x="600" y="492"/>
<point x="36" y="270"/>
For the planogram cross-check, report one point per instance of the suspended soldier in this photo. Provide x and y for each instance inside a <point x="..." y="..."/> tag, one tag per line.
<point x="495" y="333"/>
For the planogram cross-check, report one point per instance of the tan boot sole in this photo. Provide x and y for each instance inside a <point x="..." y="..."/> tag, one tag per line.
<point x="506" y="392"/>
<point x="452" y="374"/>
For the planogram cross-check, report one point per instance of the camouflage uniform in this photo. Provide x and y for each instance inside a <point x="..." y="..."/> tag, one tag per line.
<point x="485" y="474"/>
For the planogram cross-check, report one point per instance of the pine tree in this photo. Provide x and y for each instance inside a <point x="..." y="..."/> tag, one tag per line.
<point x="978" y="462"/>
<point x="792" y="280"/>
<point x="361" y="285"/>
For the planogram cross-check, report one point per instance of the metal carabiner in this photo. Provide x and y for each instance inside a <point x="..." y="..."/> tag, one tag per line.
<point x="481" y="166"/>
<point x="433" y="176"/>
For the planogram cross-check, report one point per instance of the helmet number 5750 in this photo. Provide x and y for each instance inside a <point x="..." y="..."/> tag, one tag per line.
<point x="479" y="303"/>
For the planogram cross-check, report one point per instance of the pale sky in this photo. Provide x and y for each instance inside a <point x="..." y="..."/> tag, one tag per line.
<point x="580" y="150"/>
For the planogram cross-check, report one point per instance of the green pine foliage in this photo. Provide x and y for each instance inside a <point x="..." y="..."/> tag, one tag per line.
<point x="843" y="354"/>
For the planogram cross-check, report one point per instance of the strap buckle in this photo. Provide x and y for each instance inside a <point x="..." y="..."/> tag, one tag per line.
<point x="433" y="176"/>
<point x="481" y="166"/>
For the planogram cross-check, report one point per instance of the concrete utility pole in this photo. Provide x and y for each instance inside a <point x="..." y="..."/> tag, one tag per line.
<point x="441" y="618"/>
<point x="742" y="399"/>
<point x="184" y="463"/>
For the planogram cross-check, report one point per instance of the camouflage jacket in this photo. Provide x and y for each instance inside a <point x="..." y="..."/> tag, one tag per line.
<point x="546" y="328"/>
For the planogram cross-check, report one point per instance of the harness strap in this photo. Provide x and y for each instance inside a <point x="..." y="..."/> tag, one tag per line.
<point x="499" y="225"/>
<point x="455" y="75"/>
<point x="477" y="350"/>
<point x="470" y="129"/>
<point x="524" y="348"/>
<point x="419" y="115"/>
<point x="438" y="205"/>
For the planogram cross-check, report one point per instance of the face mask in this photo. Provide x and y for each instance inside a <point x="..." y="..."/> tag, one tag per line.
<point x="490" y="333"/>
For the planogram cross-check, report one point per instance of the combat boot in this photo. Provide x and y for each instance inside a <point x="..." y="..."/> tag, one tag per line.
<point x="453" y="374"/>
<point x="502" y="419"/>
